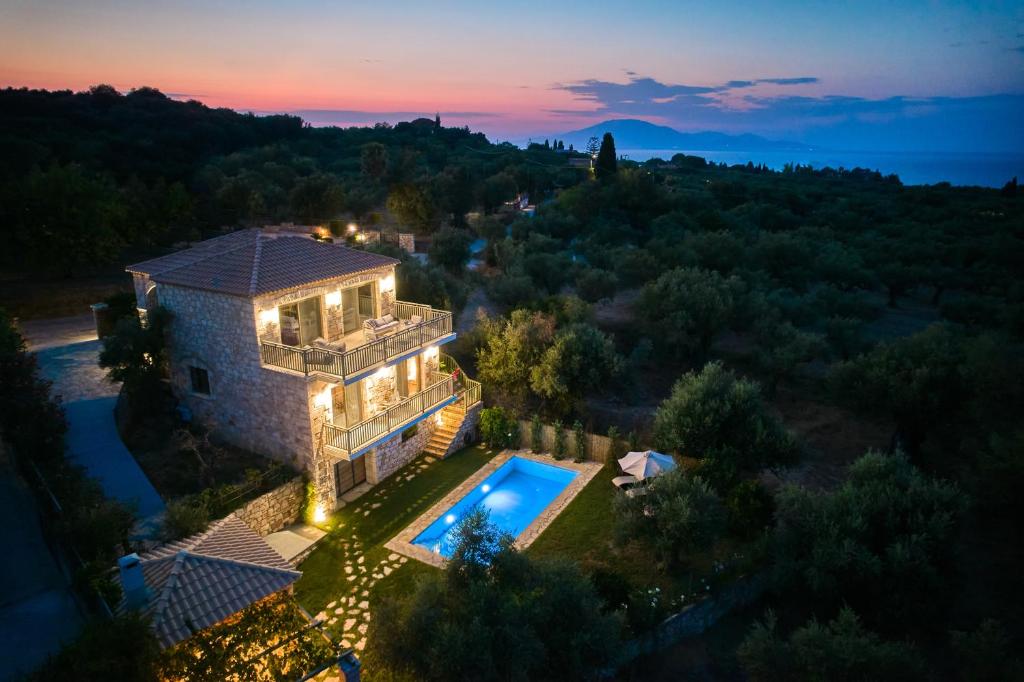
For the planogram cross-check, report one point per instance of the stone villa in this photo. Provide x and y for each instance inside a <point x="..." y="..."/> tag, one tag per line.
<point x="300" y="350"/>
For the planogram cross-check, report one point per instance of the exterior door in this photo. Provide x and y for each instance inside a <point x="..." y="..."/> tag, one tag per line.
<point x="350" y="311"/>
<point x="309" y="320"/>
<point x="354" y="403"/>
<point x="349" y="474"/>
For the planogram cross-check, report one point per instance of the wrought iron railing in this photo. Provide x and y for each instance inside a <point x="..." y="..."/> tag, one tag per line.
<point x="433" y="325"/>
<point x="470" y="391"/>
<point x="355" y="437"/>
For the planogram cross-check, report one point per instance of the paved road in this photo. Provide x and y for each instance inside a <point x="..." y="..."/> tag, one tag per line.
<point x="38" y="611"/>
<point x="67" y="350"/>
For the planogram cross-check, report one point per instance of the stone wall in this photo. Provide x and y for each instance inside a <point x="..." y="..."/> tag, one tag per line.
<point x="467" y="432"/>
<point x="272" y="511"/>
<point x="262" y="410"/>
<point x="393" y="454"/>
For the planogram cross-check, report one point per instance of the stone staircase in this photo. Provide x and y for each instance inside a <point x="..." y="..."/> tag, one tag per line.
<point x="441" y="440"/>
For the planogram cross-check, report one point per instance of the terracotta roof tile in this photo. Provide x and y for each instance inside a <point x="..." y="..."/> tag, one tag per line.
<point x="253" y="262"/>
<point x="199" y="581"/>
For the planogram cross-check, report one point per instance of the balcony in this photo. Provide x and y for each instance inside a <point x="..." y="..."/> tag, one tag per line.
<point x="363" y="435"/>
<point x="352" y="364"/>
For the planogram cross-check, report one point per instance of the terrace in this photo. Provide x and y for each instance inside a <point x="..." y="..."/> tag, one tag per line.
<point x="419" y="327"/>
<point x="451" y="388"/>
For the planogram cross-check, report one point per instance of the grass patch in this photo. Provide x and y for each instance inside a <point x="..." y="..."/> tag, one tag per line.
<point x="584" y="531"/>
<point x="401" y="501"/>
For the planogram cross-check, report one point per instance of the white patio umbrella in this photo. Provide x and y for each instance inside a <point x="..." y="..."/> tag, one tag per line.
<point x="646" y="464"/>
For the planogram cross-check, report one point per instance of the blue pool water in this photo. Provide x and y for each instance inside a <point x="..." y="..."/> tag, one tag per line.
<point x="513" y="496"/>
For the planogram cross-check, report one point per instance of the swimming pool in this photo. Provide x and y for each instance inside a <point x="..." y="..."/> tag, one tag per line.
<point x="514" y="495"/>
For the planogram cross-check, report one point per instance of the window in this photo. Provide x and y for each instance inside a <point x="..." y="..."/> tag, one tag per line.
<point x="200" y="380"/>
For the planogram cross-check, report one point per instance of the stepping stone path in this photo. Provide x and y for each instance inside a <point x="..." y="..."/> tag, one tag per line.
<point x="348" y="616"/>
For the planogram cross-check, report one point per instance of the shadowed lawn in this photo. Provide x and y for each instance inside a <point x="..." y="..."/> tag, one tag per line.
<point x="401" y="502"/>
<point x="584" y="533"/>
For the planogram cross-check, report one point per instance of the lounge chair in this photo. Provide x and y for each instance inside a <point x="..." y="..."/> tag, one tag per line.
<point x="631" y="485"/>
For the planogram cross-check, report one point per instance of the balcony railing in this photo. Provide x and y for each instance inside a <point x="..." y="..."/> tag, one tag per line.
<point x="435" y="324"/>
<point x="353" y="438"/>
<point x="469" y="391"/>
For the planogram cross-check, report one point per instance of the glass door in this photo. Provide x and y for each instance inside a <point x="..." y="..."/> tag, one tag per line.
<point x="300" y="322"/>
<point x="350" y="311"/>
<point x="366" y="307"/>
<point x="309" y="321"/>
<point x="353" y="403"/>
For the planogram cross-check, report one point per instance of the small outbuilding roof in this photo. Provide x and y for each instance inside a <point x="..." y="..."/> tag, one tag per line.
<point x="199" y="581"/>
<point x="254" y="262"/>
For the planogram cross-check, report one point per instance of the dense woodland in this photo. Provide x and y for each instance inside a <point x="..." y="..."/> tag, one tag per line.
<point x="693" y="307"/>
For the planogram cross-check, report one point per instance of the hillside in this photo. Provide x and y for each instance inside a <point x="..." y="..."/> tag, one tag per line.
<point x="636" y="134"/>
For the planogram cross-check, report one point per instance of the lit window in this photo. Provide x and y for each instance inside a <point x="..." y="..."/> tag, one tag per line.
<point x="200" y="380"/>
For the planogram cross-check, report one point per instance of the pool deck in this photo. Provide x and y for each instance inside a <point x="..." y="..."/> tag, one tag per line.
<point x="402" y="543"/>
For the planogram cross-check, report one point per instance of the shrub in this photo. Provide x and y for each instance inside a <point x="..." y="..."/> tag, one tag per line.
<point x="882" y="542"/>
<point x="499" y="428"/>
<point x="614" y="446"/>
<point x="579" y="438"/>
<point x="559" y="439"/>
<point x="723" y="420"/>
<point x="838" y="650"/>
<point x="749" y="506"/>
<point x="496" y="614"/>
<point x="536" y="434"/>
<point x="678" y="515"/>
<point x="185" y="516"/>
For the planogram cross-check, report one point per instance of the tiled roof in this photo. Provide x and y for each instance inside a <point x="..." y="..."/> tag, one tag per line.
<point x="254" y="262"/>
<point x="199" y="581"/>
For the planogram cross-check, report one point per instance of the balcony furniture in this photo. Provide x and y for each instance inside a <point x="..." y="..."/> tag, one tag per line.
<point x="630" y="485"/>
<point x="321" y="356"/>
<point x="407" y="337"/>
<point x="377" y="328"/>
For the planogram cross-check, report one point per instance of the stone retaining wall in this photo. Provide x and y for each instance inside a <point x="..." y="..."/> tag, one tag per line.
<point x="393" y="454"/>
<point x="272" y="511"/>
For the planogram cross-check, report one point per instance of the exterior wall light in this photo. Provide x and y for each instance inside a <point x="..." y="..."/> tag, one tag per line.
<point x="352" y="227"/>
<point x="387" y="283"/>
<point x="269" y="317"/>
<point x="333" y="298"/>
<point x="319" y="515"/>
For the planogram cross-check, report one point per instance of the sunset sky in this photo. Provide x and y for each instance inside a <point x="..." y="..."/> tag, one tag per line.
<point x="937" y="75"/>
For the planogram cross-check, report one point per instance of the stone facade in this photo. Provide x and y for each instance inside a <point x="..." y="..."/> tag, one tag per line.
<point x="273" y="511"/>
<point x="393" y="454"/>
<point x="271" y="410"/>
<point x="258" y="409"/>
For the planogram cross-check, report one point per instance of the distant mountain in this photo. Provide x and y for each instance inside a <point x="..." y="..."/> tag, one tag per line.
<point x="630" y="133"/>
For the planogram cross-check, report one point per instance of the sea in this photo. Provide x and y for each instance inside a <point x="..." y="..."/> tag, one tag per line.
<point x="913" y="168"/>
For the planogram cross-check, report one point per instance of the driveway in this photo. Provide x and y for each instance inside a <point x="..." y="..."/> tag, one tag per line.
<point x="38" y="611"/>
<point x="67" y="351"/>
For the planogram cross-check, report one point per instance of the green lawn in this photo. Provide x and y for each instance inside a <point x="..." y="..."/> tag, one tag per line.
<point x="584" y="532"/>
<point x="400" y="503"/>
